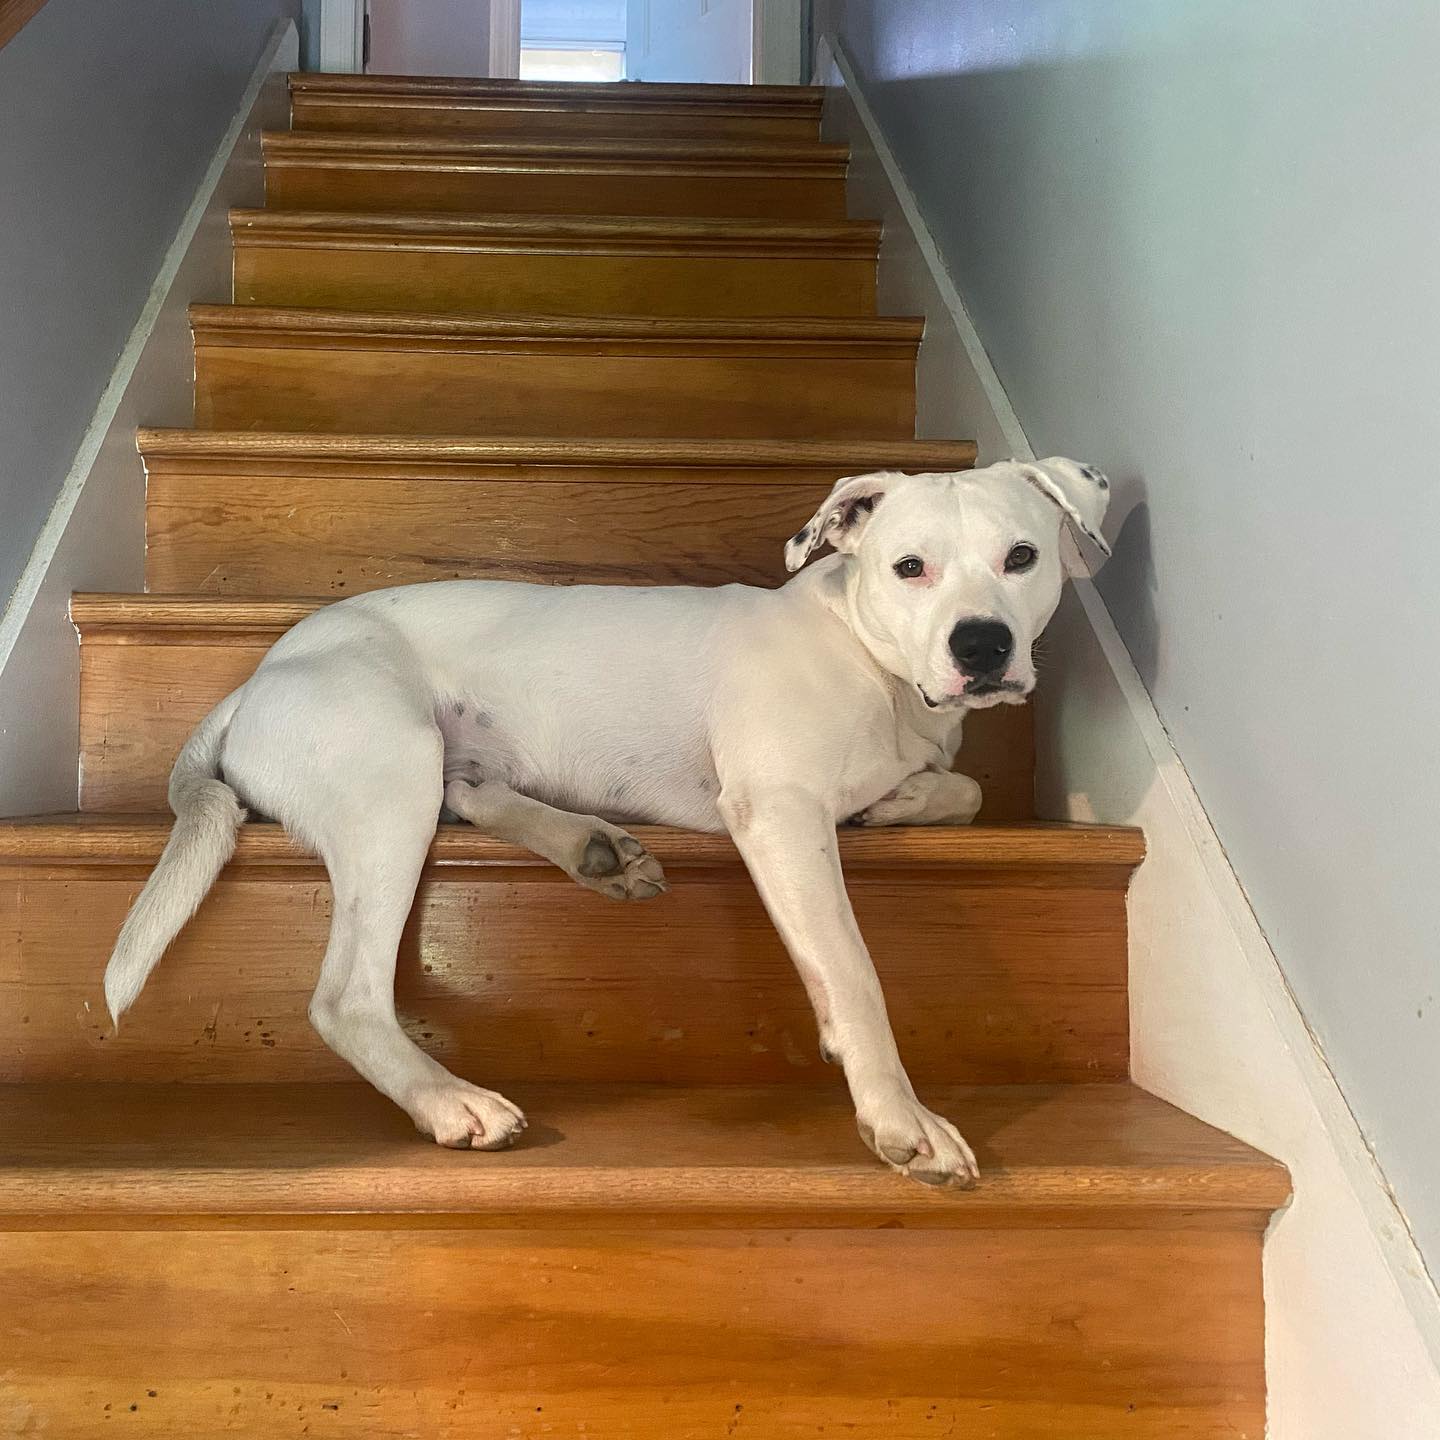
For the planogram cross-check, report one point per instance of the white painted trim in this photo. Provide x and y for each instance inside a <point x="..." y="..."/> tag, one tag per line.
<point x="1352" y="1317"/>
<point x="94" y="536"/>
<point x="504" y="39"/>
<point x="342" y="36"/>
<point x="777" y="41"/>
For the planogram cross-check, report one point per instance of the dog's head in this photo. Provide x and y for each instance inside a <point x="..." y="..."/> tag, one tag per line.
<point x="950" y="578"/>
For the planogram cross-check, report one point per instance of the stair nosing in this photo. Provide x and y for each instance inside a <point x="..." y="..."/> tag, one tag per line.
<point x="448" y="230"/>
<point x="1231" y="1185"/>
<point x="309" y="146"/>
<point x="879" y="330"/>
<point x="801" y="99"/>
<point x="641" y="455"/>
<point x="91" y="838"/>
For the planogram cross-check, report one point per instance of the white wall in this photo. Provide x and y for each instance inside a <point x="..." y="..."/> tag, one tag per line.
<point x="429" y="37"/>
<point x="1199" y="242"/>
<point x="109" y="115"/>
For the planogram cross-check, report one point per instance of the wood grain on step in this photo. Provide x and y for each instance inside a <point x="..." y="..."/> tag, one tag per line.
<point x="260" y="369"/>
<point x="773" y="1153"/>
<point x="774" y="1334"/>
<point x="1002" y="952"/>
<point x="400" y="104"/>
<point x="318" y="171"/>
<point x="573" y="265"/>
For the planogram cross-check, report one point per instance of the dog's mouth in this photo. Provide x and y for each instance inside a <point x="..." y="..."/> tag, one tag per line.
<point x="979" y="696"/>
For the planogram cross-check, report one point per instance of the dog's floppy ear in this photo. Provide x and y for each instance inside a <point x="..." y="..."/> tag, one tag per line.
<point x="1081" y="491"/>
<point x="841" y="519"/>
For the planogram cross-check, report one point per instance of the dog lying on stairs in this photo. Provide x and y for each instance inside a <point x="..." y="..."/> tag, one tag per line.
<point x="773" y="714"/>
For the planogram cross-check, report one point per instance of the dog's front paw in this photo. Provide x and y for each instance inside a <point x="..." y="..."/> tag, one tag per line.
<point x="465" y="1117"/>
<point x="918" y="1143"/>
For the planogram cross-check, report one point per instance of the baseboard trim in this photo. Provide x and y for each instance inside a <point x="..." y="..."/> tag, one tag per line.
<point x="1352" y="1316"/>
<point x="93" y="538"/>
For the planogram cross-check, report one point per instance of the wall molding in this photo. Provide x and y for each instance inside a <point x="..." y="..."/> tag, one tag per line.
<point x="1352" y="1317"/>
<point x="94" y="536"/>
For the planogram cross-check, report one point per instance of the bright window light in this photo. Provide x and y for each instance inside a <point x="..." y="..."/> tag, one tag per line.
<point x="578" y="63"/>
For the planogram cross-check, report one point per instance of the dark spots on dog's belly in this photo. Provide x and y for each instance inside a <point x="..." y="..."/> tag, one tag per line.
<point x="459" y="708"/>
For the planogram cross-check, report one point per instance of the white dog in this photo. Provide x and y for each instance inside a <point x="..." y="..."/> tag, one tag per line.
<point x="773" y="714"/>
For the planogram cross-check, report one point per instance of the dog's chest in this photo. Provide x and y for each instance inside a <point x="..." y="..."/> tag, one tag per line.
<point x="882" y="754"/>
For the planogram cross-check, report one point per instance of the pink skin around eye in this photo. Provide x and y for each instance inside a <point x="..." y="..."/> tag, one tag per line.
<point x="923" y="581"/>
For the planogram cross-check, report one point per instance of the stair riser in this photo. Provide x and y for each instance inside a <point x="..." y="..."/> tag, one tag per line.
<point x="517" y="973"/>
<point x="474" y="281"/>
<point x="558" y="392"/>
<point x="549" y="190"/>
<point x="1028" y="1334"/>
<point x="141" y="697"/>
<point x="225" y="534"/>
<point x="391" y="116"/>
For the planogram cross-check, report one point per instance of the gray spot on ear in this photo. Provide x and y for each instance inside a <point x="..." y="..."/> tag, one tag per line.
<point x="863" y="506"/>
<point x="800" y="536"/>
<point x="1092" y="474"/>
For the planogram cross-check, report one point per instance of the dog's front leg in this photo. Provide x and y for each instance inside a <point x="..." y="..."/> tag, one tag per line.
<point x="787" y="838"/>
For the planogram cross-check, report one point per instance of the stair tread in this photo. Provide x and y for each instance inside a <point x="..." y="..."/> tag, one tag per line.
<point x="296" y="226"/>
<point x="315" y="319"/>
<point x="317" y="144"/>
<point x="94" y="837"/>
<point x="800" y="98"/>
<point x="765" y="456"/>
<point x="293" y="1151"/>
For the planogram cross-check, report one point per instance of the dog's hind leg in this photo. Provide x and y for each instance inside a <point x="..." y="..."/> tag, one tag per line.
<point x="365" y="797"/>
<point x="598" y="855"/>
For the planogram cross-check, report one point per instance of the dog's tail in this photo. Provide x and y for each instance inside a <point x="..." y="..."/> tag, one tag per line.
<point x="202" y="840"/>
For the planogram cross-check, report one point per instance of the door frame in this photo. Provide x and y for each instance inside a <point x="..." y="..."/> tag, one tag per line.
<point x="342" y="37"/>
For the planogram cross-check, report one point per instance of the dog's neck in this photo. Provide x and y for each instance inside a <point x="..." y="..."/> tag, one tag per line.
<point x="830" y="583"/>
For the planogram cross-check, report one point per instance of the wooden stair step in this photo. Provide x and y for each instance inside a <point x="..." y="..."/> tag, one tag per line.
<point x="771" y="1153"/>
<point x="656" y="1262"/>
<point x="371" y="103"/>
<point x="233" y="512"/>
<point x="153" y="665"/>
<point x="560" y="264"/>
<point x="585" y="175"/>
<point x="1002" y="950"/>
<point x="596" y="376"/>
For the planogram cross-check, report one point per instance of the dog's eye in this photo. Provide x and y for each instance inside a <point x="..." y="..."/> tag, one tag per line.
<point x="910" y="568"/>
<point x="1020" y="558"/>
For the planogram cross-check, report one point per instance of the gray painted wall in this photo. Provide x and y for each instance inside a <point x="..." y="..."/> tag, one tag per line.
<point x="109" y="115"/>
<point x="1201" y="242"/>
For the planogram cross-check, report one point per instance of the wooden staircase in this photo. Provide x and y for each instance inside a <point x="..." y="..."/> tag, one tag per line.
<point x="497" y="329"/>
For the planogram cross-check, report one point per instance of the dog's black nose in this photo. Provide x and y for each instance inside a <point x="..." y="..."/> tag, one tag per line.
<point x="982" y="648"/>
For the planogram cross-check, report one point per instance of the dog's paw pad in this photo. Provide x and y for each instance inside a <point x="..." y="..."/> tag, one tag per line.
<point x="600" y="857"/>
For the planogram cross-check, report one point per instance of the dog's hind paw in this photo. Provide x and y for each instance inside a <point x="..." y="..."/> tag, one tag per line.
<point x="618" y="865"/>
<point x="460" y="1116"/>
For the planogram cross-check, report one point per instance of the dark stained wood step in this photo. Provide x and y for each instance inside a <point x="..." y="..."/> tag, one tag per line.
<point x="595" y="176"/>
<point x="593" y="376"/>
<point x="235" y="513"/>
<point x="556" y="264"/>
<point x="372" y="103"/>
<point x="778" y="1154"/>
<point x="1002" y="950"/>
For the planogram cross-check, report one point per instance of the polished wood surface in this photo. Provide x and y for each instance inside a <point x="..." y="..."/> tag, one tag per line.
<point x="671" y="1333"/>
<point x="573" y="265"/>
<point x="775" y="1154"/>
<point x="378" y="103"/>
<point x="151" y="666"/>
<point x="262" y="369"/>
<point x="227" y="513"/>
<point x="1002" y="950"/>
<point x="654" y="177"/>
